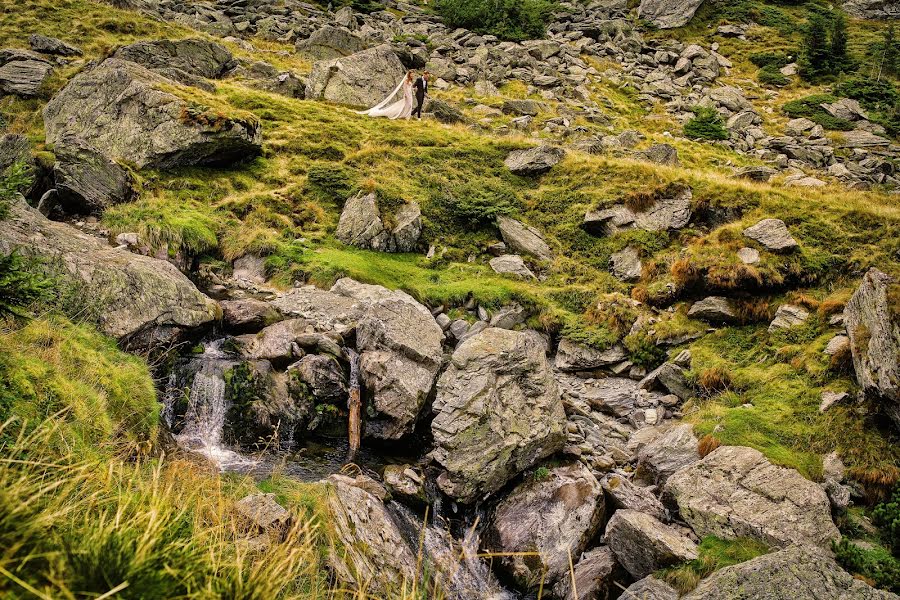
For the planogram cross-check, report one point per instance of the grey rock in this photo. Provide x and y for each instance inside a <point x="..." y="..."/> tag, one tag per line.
<point x="87" y="182"/>
<point x="263" y="512"/>
<point x="361" y="225"/>
<point x="671" y="378"/>
<point x="621" y="493"/>
<point x="521" y="108"/>
<point x="145" y="126"/>
<point x="523" y="238"/>
<point x="330" y="42"/>
<point x="714" y="309"/>
<point x="242" y="316"/>
<point x="748" y="256"/>
<point x="661" y="154"/>
<point x="796" y="573"/>
<point x="511" y="264"/>
<point x="859" y="138"/>
<point x="874" y="331"/>
<point x="788" y="316"/>
<point x="571" y="356"/>
<point x="830" y="399"/>
<point x="668" y="14"/>
<point x="323" y="376"/>
<point x="508" y="317"/>
<point x="405" y="481"/>
<point x="773" y="234"/>
<point x="734" y="491"/>
<point x="761" y="174"/>
<point x="49" y="45"/>
<point x="275" y="343"/>
<point x="555" y="517"/>
<point x="534" y="161"/>
<point x="595" y="577"/>
<point x="22" y="73"/>
<point x="650" y="588"/>
<point x="872" y="9"/>
<point x="626" y="265"/>
<point x="837" y="344"/>
<point x="361" y="79"/>
<point x="140" y="300"/>
<point x="675" y="449"/>
<point x="180" y="60"/>
<point x="445" y="112"/>
<point x="497" y="412"/>
<point x="643" y="545"/>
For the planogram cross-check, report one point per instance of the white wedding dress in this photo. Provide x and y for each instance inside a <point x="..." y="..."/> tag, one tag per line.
<point x="401" y="109"/>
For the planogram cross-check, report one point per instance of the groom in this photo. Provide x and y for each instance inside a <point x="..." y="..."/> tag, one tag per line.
<point x="421" y="87"/>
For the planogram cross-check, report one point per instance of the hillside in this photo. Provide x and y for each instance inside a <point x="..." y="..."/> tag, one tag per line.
<point x="620" y="311"/>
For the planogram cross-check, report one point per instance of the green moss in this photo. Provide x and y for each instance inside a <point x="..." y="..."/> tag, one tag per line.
<point x="715" y="553"/>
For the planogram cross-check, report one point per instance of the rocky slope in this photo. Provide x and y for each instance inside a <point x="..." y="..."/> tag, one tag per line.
<point x="588" y="345"/>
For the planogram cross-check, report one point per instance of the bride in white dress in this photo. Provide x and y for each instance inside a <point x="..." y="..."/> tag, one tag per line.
<point x="402" y="108"/>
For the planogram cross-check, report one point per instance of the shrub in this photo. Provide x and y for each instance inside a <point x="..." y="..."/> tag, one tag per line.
<point x="887" y="516"/>
<point x="874" y="565"/>
<point x="514" y="20"/>
<point x="331" y="182"/>
<point x="770" y="75"/>
<point x="770" y="59"/>
<point x="824" y="50"/>
<point x="707" y="124"/>
<point x="477" y="204"/>
<point x="16" y="178"/>
<point x="880" y="98"/>
<point x="714" y="380"/>
<point x="811" y="108"/>
<point x="21" y="284"/>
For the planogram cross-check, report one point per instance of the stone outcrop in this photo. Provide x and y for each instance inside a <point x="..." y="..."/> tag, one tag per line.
<point x="511" y="264"/>
<point x="773" y="234"/>
<point x="874" y="329"/>
<point x="571" y="356"/>
<point x="49" y="45"/>
<point x="22" y="73"/>
<point x="796" y="573"/>
<point x="88" y="182"/>
<point x="244" y="316"/>
<point x="323" y="376"/>
<point x="873" y="9"/>
<point x="643" y="545"/>
<point x="139" y="300"/>
<point x="330" y="42"/>
<point x="668" y="14"/>
<point x="524" y="238"/>
<point x="625" y="265"/>
<point x="735" y="492"/>
<point x="714" y="309"/>
<point x="555" y="517"/>
<point x="121" y="110"/>
<point x="663" y="215"/>
<point x="534" y="161"/>
<point x="361" y="79"/>
<point x="669" y="452"/>
<point x="361" y="225"/>
<point x="180" y="60"/>
<point x="497" y="412"/>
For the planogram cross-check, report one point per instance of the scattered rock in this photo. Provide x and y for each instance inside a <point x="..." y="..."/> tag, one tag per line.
<point x="735" y="492"/>
<point x="242" y="316"/>
<point x="361" y="225"/>
<point x="576" y="357"/>
<point x="661" y="154"/>
<point x="748" y="256"/>
<point x="534" y="161"/>
<point x="626" y="265"/>
<point x="523" y="238"/>
<point x="595" y="576"/>
<point x="650" y="588"/>
<point x="788" y="316"/>
<point x="621" y="493"/>
<point x="511" y="264"/>
<point x="663" y="215"/>
<point x="668" y="14"/>
<point x="837" y="344"/>
<point x="497" y="412"/>
<point x="714" y="309"/>
<point x="323" y="377"/>
<point x="874" y="330"/>
<point x="644" y="545"/>
<point x="675" y="449"/>
<point x="829" y="399"/>
<point x="263" y="512"/>
<point x="87" y="182"/>
<point x="330" y="42"/>
<point x="760" y="174"/>
<point x="556" y="517"/>
<point x="22" y="73"/>
<point x="183" y="61"/>
<point x="671" y="378"/>
<point x="445" y="112"/>
<point x="773" y="234"/>
<point x="49" y="45"/>
<point x="405" y="481"/>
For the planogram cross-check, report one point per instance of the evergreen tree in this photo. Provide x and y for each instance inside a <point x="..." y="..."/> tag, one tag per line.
<point x="816" y="52"/>
<point x="839" y="59"/>
<point x="888" y="62"/>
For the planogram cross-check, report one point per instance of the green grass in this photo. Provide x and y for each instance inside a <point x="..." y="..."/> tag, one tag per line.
<point x="715" y="554"/>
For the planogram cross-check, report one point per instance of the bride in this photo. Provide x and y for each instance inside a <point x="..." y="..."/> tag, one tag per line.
<point x="402" y="108"/>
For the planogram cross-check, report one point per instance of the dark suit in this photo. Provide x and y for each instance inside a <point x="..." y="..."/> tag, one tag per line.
<point x="421" y="87"/>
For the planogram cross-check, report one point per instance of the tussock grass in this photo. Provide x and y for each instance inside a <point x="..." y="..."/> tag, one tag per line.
<point x="715" y="554"/>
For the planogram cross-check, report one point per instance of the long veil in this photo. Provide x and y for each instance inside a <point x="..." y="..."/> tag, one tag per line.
<point x="385" y="101"/>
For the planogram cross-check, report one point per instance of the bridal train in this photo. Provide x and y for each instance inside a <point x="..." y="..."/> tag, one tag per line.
<point x="401" y="109"/>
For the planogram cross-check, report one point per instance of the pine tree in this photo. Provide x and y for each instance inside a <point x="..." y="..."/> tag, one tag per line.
<point x="816" y="52"/>
<point x="839" y="59"/>
<point x="888" y="63"/>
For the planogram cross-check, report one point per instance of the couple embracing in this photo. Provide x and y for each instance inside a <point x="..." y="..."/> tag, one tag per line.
<point x="403" y="108"/>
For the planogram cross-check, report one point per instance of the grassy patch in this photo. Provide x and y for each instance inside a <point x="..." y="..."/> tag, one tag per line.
<point x="715" y="554"/>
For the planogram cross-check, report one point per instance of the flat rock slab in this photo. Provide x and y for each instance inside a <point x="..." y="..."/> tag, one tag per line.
<point x="22" y="73"/>
<point x="773" y="234"/>
<point x="643" y="545"/>
<point x="534" y="161"/>
<point x="735" y="492"/>
<point x="523" y="238"/>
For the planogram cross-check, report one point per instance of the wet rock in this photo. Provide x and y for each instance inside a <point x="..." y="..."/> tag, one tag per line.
<point x="675" y="449"/>
<point x="323" y="377"/>
<point x="361" y="79"/>
<point x="534" y="161"/>
<point x="734" y="491"/>
<point x="523" y="238"/>
<point x="773" y="234"/>
<point x="788" y="316"/>
<point x="145" y="126"/>
<point x="576" y="357"/>
<point x="405" y="481"/>
<point x="49" y="45"/>
<point x="22" y="73"/>
<point x="625" y="265"/>
<point x="330" y="42"/>
<point x="276" y="343"/>
<point x="874" y="330"/>
<point x="555" y="516"/>
<point x="497" y="410"/>
<point x="713" y="309"/>
<point x="141" y="301"/>
<point x="87" y="182"/>
<point x="595" y="577"/>
<point x="242" y="316"/>
<point x="797" y="573"/>
<point x="650" y="588"/>
<point x="668" y="14"/>
<point x="511" y="264"/>
<point x="621" y="493"/>
<point x="643" y="545"/>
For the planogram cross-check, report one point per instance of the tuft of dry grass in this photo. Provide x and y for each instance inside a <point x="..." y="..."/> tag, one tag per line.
<point x="707" y="444"/>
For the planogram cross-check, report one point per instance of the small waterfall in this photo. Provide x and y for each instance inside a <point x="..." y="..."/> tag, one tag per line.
<point x="207" y="409"/>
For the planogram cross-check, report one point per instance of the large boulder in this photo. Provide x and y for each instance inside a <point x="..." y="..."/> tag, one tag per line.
<point x="665" y="455"/>
<point x="773" y="234"/>
<point x="124" y="111"/>
<point x="511" y="264"/>
<point x="642" y="544"/>
<point x="596" y="577"/>
<point x="524" y="238"/>
<point x="138" y="300"/>
<point x="796" y="573"/>
<point x="22" y="73"/>
<point x="668" y="14"/>
<point x="88" y="182"/>
<point x="534" y="161"/>
<point x="873" y="9"/>
<point x="330" y="42"/>
<point x="554" y="517"/>
<point x="323" y="376"/>
<point x="49" y="45"/>
<point x="714" y="309"/>
<point x="361" y="225"/>
<point x="181" y="60"/>
<point x="571" y="356"/>
<point x="662" y="215"/>
<point x="873" y="325"/>
<point x="735" y="492"/>
<point x="361" y="79"/>
<point x="498" y="412"/>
